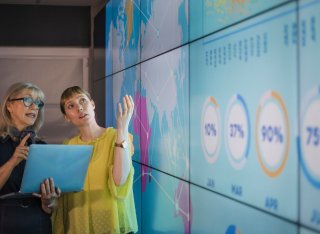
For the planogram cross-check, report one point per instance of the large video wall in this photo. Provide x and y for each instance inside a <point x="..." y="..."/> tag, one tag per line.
<point x="227" y="112"/>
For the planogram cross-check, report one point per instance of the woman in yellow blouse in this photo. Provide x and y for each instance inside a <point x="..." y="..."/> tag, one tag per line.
<point x="106" y="204"/>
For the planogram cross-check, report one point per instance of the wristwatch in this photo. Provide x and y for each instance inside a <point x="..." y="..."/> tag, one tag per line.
<point x="123" y="144"/>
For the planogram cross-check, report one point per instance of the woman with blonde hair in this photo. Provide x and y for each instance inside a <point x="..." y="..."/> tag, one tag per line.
<point x="22" y="116"/>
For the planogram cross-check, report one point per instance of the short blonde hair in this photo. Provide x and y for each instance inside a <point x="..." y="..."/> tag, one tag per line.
<point x="68" y="93"/>
<point x="12" y="92"/>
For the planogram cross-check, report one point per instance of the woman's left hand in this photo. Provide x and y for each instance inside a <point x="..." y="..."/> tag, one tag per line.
<point x="124" y="115"/>
<point x="49" y="195"/>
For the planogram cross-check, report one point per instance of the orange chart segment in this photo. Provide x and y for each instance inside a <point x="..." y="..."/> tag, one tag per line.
<point x="272" y="134"/>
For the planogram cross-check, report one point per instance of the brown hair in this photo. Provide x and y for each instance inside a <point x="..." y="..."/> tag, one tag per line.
<point x="68" y="93"/>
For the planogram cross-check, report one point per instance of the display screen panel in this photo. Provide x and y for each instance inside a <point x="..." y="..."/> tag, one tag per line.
<point x="227" y="111"/>
<point x="159" y="19"/>
<point x="165" y="88"/>
<point x="309" y="147"/>
<point x="208" y="16"/>
<point x="243" y="112"/>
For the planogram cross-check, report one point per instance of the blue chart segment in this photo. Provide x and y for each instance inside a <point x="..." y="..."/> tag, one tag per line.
<point x="310" y="138"/>
<point x="250" y="125"/>
<point x="232" y="229"/>
<point x="237" y="131"/>
<point x="309" y="147"/>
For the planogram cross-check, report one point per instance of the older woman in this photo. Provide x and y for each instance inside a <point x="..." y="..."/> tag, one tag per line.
<point x="21" y="117"/>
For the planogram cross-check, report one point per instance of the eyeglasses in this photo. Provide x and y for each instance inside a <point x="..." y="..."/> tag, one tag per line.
<point x="28" y="101"/>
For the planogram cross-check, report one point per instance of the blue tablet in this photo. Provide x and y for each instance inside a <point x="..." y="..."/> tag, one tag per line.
<point x="66" y="164"/>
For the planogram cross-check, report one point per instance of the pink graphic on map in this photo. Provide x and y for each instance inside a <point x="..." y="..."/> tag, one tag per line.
<point x="141" y="120"/>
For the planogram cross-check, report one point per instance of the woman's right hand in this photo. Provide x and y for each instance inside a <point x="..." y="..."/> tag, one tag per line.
<point x="123" y="117"/>
<point x="21" y="152"/>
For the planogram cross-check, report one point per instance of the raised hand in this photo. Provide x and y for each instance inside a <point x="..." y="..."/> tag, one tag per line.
<point x="124" y="115"/>
<point x="21" y="152"/>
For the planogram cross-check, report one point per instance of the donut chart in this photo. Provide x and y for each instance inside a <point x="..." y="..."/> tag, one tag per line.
<point x="272" y="134"/>
<point x="237" y="134"/>
<point x="210" y="129"/>
<point x="310" y="138"/>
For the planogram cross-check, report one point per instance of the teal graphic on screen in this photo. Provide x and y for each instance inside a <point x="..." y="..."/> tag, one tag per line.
<point x="243" y="112"/>
<point x="310" y="113"/>
<point x="125" y="33"/>
<point x="306" y="231"/>
<point x="207" y="16"/>
<point x="159" y="19"/>
<point x="166" y="195"/>
<point x="164" y="87"/>
<point x="212" y="213"/>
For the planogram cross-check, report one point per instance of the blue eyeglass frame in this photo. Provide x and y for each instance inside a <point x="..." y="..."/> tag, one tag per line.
<point x="28" y="101"/>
